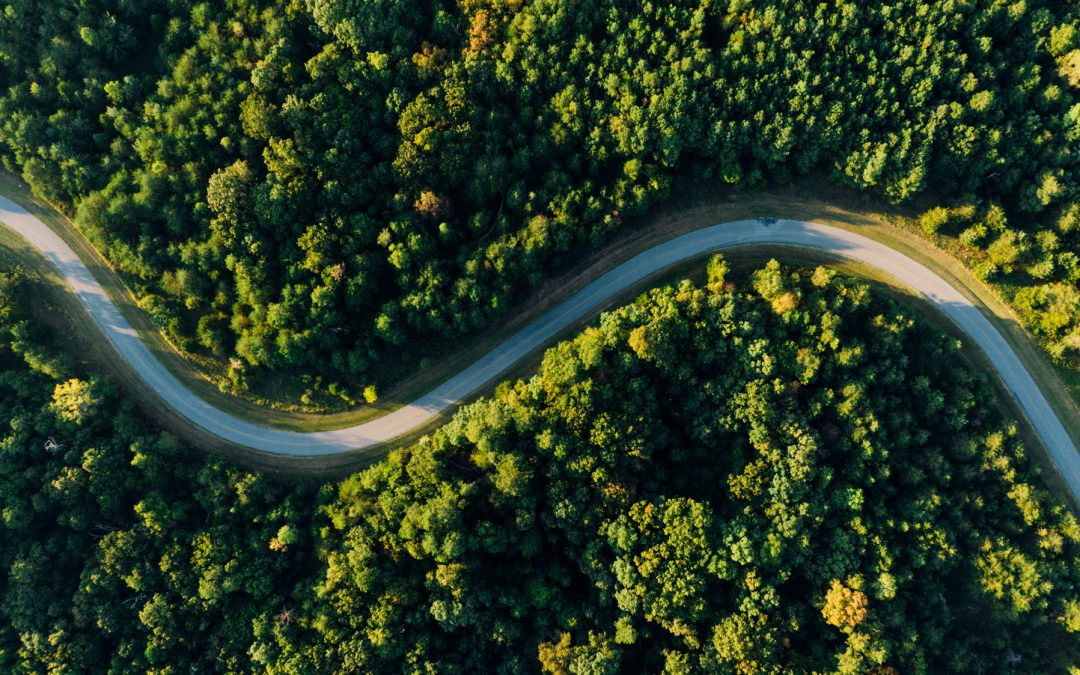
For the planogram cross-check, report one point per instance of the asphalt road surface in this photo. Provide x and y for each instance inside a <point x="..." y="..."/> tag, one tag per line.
<point x="578" y="307"/>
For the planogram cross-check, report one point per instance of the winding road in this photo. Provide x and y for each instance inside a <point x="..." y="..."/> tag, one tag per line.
<point x="581" y="305"/>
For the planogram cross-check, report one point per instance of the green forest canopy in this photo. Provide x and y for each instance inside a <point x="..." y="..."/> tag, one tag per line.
<point x="318" y="184"/>
<point x="787" y="475"/>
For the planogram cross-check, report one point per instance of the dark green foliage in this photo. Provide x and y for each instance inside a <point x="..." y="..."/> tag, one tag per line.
<point x="712" y="481"/>
<point x="709" y="480"/>
<point x="120" y="548"/>
<point x="320" y="184"/>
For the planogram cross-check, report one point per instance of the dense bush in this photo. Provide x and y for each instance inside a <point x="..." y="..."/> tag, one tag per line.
<point x="319" y="183"/>
<point x="788" y="476"/>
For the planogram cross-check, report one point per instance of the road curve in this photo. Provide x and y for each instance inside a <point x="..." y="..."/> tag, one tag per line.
<point x="579" y="306"/>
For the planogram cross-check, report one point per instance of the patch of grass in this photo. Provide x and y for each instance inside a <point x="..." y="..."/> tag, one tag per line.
<point x="698" y="205"/>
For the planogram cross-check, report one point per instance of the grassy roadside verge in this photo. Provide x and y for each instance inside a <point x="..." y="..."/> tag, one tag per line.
<point x="195" y="372"/>
<point x="75" y="331"/>
<point x="702" y="208"/>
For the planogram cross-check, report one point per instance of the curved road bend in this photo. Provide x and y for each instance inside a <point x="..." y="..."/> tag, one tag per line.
<point x="579" y="306"/>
